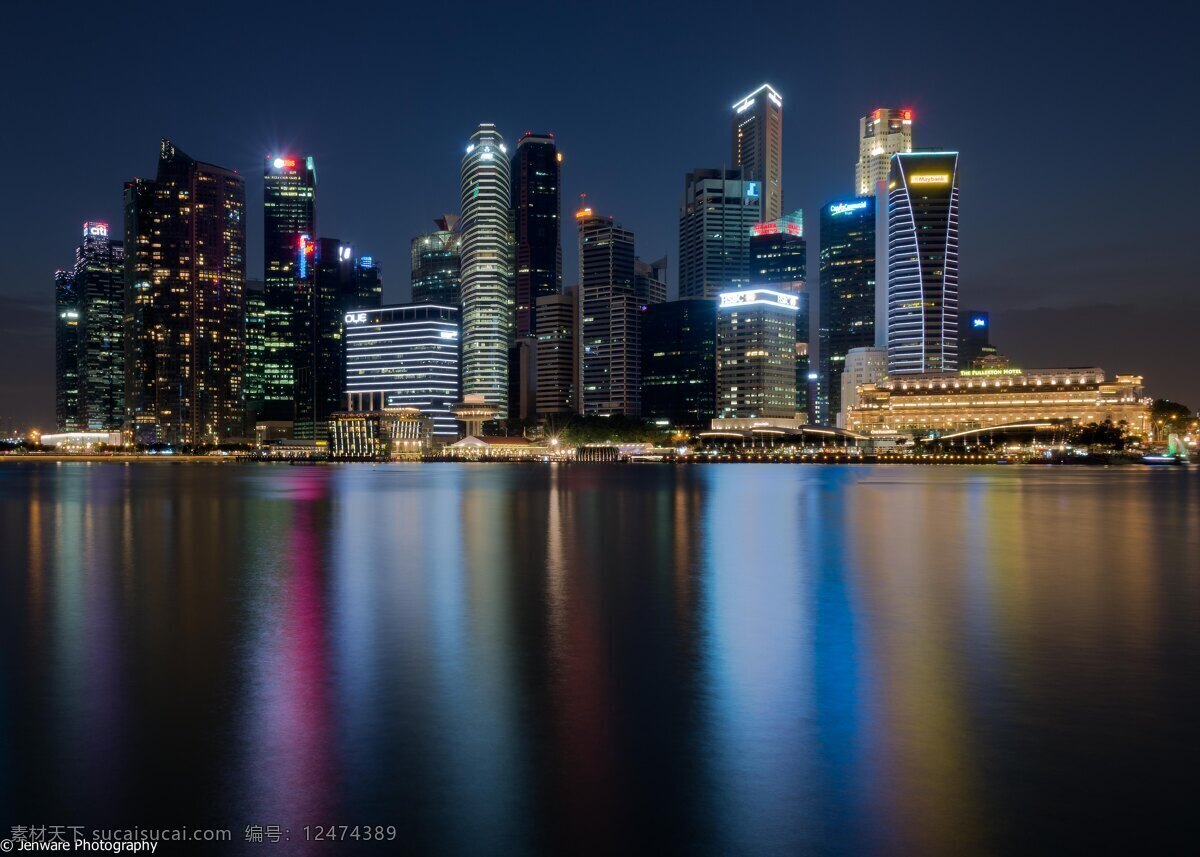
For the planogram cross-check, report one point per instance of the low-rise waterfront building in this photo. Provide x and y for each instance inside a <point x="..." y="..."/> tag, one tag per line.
<point x="380" y="435"/>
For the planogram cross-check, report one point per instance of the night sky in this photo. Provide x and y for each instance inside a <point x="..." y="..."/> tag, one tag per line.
<point x="1079" y="135"/>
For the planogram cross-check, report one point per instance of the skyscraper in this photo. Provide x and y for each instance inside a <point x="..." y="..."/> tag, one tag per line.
<point x="756" y="354"/>
<point x="881" y="134"/>
<point x="436" y="260"/>
<point x="758" y="145"/>
<point x="537" y="219"/>
<point x="974" y="337"/>
<point x="325" y="289"/>
<point x="715" y="215"/>
<point x="256" y="343"/>
<point x="779" y="259"/>
<point x="487" y="284"/>
<point x="609" y="318"/>
<point x="922" y="296"/>
<point x="650" y="281"/>
<point x="67" y="369"/>
<point x="187" y="320"/>
<point x="679" y="369"/>
<point x="557" y="353"/>
<point x="289" y="211"/>
<point x="89" y="341"/>
<point x="847" y="293"/>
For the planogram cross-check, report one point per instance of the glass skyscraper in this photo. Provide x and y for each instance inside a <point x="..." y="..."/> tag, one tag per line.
<point x="715" y="215"/>
<point x="610" y="337"/>
<point x="436" y="263"/>
<point x="679" y="369"/>
<point x="537" y="218"/>
<point x="779" y="258"/>
<point x="758" y="146"/>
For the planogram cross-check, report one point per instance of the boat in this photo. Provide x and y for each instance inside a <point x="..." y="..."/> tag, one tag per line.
<point x="1163" y="460"/>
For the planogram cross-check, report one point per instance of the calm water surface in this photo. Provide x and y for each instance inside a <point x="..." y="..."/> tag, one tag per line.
<point x="527" y="659"/>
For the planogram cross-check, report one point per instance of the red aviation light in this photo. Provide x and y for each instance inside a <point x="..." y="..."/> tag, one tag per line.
<point x="908" y="115"/>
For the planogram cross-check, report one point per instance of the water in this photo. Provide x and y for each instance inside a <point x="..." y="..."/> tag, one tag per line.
<point x="528" y="659"/>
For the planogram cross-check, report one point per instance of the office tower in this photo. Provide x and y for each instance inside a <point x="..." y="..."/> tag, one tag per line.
<point x="779" y="258"/>
<point x="436" y="258"/>
<point x="256" y="344"/>
<point x="847" y="294"/>
<point x="715" y="215"/>
<point x="883" y="133"/>
<point x="758" y="146"/>
<point x="557" y="319"/>
<point x="487" y="286"/>
<point x="609" y="317"/>
<point x="537" y="217"/>
<point x="89" y="338"/>
<point x="922" y="297"/>
<point x="325" y="291"/>
<point x="756" y="354"/>
<point x="67" y="369"/>
<point x="522" y="379"/>
<point x="974" y="337"/>
<point x="185" y="232"/>
<point x="679" y="369"/>
<point x="863" y="365"/>
<point x="367" y="291"/>
<point x="405" y="356"/>
<point x="650" y="281"/>
<point x="289" y="211"/>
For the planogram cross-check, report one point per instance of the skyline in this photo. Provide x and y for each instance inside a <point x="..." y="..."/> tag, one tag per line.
<point x="1089" y="290"/>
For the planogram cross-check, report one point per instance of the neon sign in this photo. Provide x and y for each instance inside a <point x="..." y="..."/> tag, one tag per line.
<point x="752" y="190"/>
<point x="847" y="207"/>
<point x="774" y="227"/>
<point x="986" y="373"/>
<point x="280" y="163"/>
<point x="929" y="178"/>
<point x="979" y="322"/>
<point x="96" y="229"/>
<point x="355" y="317"/>
<point x="760" y="296"/>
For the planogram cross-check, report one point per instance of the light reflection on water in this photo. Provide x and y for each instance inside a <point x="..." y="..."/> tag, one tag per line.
<point x="528" y="659"/>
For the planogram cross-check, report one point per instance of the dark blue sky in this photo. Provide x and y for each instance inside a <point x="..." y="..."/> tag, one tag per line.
<point x="1079" y="137"/>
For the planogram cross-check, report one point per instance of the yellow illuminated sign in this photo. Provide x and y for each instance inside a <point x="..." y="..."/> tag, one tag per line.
<point x="929" y="178"/>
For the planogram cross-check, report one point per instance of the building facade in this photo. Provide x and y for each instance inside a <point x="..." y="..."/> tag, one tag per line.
<point x="846" y="294"/>
<point x="679" y="362"/>
<point x="758" y="146"/>
<point x="487" y="285"/>
<point x="557" y="353"/>
<point x="882" y="133"/>
<point x="650" y="281"/>
<point x="974" y="337"/>
<point x="949" y="402"/>
<point x="537" y="219"/>
<point x="756" y="354"/>
<point x="436" y="263"/>
<point x="405" y="355"/>
<point x="68" y="416"/>
<point x="922" y="279"/>
<point x="289" y="212"/>
<point x="256" y="345"/>
<point x="862" y="366"/>
<point x="185" y="232"/>
<point x="715" y="215"/>
<point x="779" y="259"/>
<point x="609" y="318"/>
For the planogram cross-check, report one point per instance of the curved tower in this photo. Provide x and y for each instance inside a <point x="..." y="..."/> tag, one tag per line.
<point x="486" y="268"/>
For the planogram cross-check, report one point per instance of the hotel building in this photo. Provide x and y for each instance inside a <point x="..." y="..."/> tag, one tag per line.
<point x="950" y="402"/>
<point x="405" y="356"/>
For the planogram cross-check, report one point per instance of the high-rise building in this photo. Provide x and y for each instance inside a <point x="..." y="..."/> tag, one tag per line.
<point x="758" y="146"/>
<point x="289" y="211"/>
<point x="405" y="356"/>
<point x="974" y="337"/>
<point x="882" y="133"/>
<point x="756" y="354"/>
<point x="557" y="319"/>
<point x="325" y="290"/>
<point x="90" y="303"/>
<point x="679" y="369"/>
<point x="68" y="415"/>
<point x="865" y="365"/>
<point x="186" y="234"/>
<point x="779" y="259"/>
<point x="922" y="296"/>
<point x="487" y="284"/>
<point x="256" y="344"/>
<point x="436" y="258"/>
<point x="609" y="318"/>
<point x="715" y="215"/>
<point x="847" y="294"/>
<point x="537" y="219"/>
<point x="367" y="290"/>
<point x="650" y="281"/>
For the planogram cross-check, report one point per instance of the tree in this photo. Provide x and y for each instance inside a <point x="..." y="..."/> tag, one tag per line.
<point x="1169" y="417"/>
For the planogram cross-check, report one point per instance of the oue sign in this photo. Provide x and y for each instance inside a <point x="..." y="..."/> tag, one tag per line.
<point x="355" y="317"/>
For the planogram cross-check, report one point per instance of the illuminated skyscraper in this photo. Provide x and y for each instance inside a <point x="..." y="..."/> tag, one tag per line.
<point x="779" y="259"/>
<point x="289" y="211"/>
<point x="186" y="324"/>
<point x="557" y="353"/>
<point x="610" y="336"/>
<point x="756" y="354"/>
<point x="922" y="267"/>
<point x="881" y="134"/>
<point x="847" y="293"/>
<point x="67" y="353"/>
<point x="256" y="341"/>
<point x="715" y="215"/>
<point x="436" y="263"/>
<point x="758" y="145"/>
<point x="487" y="283"/>
<point x="537" y="218"/>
